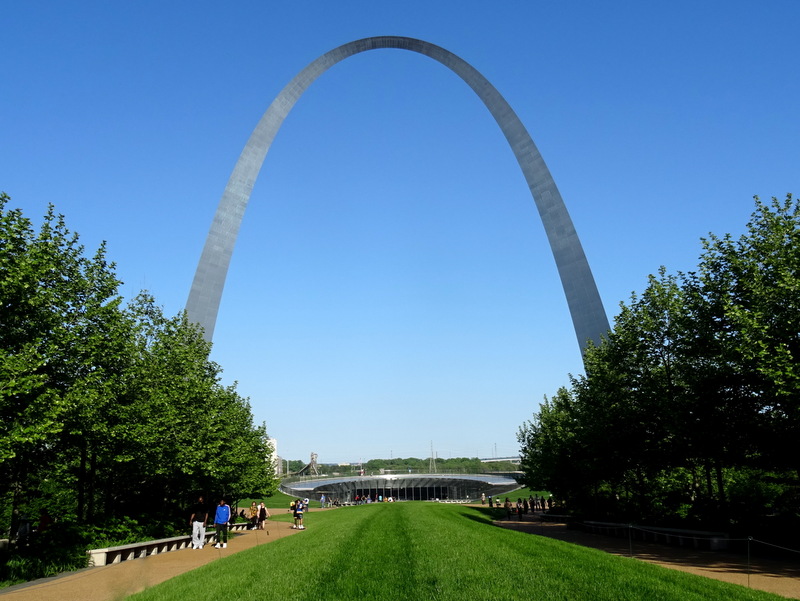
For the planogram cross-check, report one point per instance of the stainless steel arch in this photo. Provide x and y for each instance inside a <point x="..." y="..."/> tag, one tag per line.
<point x="586" y="308"/>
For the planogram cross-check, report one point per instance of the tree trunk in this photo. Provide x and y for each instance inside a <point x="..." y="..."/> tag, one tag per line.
<point x="720" y="483"/>
<point x="81" y="485"/>
<point x="92" y="474"/>
<point x="709" y="480"/>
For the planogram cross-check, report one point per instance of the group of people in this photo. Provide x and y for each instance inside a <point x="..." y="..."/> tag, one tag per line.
<point x="223" y="516"/>
<point x="532" y="503"/>
<point x="258" y="515"/>
<point x="328" y="502"/>
<point x="376" y="498"/>
<point x="526" y="505"/>
<point x="297" y="508"/>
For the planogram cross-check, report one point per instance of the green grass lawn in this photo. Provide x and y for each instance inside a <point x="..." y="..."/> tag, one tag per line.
<point x="523" y="493"/>
<point x="426" y="551"/>
<point x="277" y="501"/>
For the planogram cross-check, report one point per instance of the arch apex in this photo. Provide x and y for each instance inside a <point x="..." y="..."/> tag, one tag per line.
<point x="585" y="306"/>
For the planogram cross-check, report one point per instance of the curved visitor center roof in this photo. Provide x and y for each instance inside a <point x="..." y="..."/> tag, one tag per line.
<point x="403" y="487"/>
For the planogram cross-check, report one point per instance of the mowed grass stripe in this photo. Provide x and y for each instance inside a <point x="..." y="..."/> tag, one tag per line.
<point x="427" y="551"/>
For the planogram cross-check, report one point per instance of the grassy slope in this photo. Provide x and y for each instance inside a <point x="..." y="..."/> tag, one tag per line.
<point x="421" y="551"/>
<point x="277" y="501"/>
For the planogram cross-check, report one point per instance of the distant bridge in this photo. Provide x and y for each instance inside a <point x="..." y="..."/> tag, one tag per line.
<point x="514" y="460"/>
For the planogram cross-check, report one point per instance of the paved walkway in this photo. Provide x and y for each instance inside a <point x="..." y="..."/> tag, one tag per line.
<point x="779" y="577"/>
<point x="116" y="581"/>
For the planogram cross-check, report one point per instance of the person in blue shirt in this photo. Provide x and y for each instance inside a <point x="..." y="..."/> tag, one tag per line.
<point x="299" y="506"/>
<point x="221" y="519"/>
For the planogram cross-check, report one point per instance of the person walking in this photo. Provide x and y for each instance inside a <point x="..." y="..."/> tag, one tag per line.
<point x="253" y="516"/>
<point x="198" y="521"/>
<point x="221" y="519"/>
<point x="263" y="514"/>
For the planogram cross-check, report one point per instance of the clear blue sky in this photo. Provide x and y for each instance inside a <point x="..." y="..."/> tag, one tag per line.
<point x="392" y="286"/>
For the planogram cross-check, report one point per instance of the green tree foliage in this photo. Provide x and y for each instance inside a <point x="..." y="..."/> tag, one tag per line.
<point x="59" y="312"/>
<point x="689" y="407"/>
<point x="295" y="465"/>
<point x="549" y="447"/>
<point x="451" y="465"/>
<point x="754" y="285"/>
<point x="108" y="410"/>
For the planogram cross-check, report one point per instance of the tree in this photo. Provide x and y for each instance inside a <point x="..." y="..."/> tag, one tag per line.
<point x="699" y="381"/>
<point x="753" y="282"/>
<point x="57" y="309"/>
<point x="551" y="452"/>
<point x="176" y="430"/>
<point x="107" y="410"/>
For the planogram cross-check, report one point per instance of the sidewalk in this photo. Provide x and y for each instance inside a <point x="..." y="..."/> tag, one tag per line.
<point x="773" y="576"/>
<point x="116" y="581"/>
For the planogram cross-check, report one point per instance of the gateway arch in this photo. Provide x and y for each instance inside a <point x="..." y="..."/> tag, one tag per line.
<point x="586" y="309"/>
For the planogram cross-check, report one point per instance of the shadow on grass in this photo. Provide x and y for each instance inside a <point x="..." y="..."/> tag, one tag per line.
<point x="484" y="515"/>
